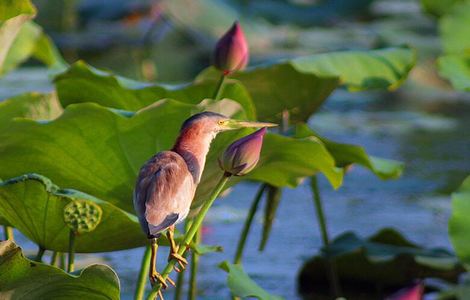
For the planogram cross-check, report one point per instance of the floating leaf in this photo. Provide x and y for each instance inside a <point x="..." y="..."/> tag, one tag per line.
<point x="241" y="285"/>
<point x="456" y="68"/>
<point x="347" y="154"/>
<point x="301" y="85"/>
<point x="83" y="83"/>
<point x="35" y="206"/>
<point x="459" y="223"/>
<point x="22" y="278"/>
<point x="384" y="262"/>
<point x="454" y="29"/>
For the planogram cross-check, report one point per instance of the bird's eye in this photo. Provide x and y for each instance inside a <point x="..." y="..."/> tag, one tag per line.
<point x="222" y="122"/>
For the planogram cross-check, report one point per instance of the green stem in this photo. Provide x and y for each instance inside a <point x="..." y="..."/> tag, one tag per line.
<point x="180" y="278"/>
<point x="70" y="266"/>
<point x="248" y="222"/>
<point x="54" y="258"/>
<point x="219" y="86"/>
<point x="142" y="280"/>
<point x="192" y="293"/>
<point x="191" y="233"/>
<point x="8" y="231"/>
<point x="331" y="268"/>
<point x="40" y="254"/>
<point x="62" y="262"/>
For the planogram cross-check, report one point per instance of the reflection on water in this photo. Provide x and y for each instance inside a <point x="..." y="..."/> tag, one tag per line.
<point x="435" y="148"/>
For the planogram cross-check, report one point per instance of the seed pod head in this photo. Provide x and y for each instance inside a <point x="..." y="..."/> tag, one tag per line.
<point x="231" y="52"/>
<point x="82" y="216"/>
<point x="242" y="155"/>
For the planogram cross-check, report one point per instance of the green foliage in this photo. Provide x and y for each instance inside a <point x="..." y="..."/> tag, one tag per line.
<point x="459" y="223"/>
<point x="33" y="106"/>
<point x="438" y="8"/>
<point x="36" y="207"/>
<point x="347" y="154"/>
<point x="454" y="30"/>
<point x="22" y="278"/>
<point x="384" y="260"/>
<point x="241" y="285"/>
<point x="83" y="83"/>
<point x="21" y="38"/>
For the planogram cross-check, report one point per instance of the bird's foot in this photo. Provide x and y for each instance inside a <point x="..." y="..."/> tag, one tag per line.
<point x="156" y="278"/>
<point x="180" y="260"/>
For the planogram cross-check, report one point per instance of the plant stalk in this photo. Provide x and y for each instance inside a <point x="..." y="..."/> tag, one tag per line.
<point x="331" y="269"/>
<point x="218" y="89"/>
<point x="40" y="254"/>
<point x="70" y="265"/>
<point x="248" y="222"/>
<point x="180" y="278"/>
<point x="192" y="293"/>
<point x="8" y="231"/>
<point x="191" y="233"/>
<point x="54" y="256"/>
<point x="142" y="279"/>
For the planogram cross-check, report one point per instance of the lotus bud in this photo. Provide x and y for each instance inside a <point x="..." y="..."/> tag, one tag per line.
<point x="231" y="51"/>
<point x="242" y="155"/>
<point x="414" y="292"/>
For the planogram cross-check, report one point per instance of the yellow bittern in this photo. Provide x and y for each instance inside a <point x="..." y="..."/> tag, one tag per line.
<point x="167" y="182"/>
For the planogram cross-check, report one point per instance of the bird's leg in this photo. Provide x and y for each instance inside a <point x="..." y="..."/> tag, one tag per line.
<point x="174" y="249"/>
<point x="154" y="276"/>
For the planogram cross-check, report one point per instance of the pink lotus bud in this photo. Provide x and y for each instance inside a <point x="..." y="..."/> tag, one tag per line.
<point x="414" y="292"/>
<point x="242" y="155"/>
<point x="231" y="51"/>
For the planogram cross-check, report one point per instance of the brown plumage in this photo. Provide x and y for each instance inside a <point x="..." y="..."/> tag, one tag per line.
<point x="167" y="182"/>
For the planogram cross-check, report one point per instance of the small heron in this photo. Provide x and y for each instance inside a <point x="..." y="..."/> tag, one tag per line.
<point x="167" y="182"/>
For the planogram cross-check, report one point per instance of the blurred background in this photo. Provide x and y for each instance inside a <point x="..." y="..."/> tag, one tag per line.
<point x="425" y="123"/>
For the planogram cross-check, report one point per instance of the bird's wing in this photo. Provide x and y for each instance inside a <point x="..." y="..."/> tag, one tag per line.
<point x="164" y="192"/>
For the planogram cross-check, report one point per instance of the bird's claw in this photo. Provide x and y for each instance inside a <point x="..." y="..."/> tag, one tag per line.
<point x="180" y="260"/>
<point x="156" y="278"/>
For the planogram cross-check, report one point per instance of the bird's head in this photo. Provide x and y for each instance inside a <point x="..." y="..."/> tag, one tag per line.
<point x="210" y="122"/>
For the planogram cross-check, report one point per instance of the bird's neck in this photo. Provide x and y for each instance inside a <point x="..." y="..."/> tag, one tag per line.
<point x="193" y="145"/>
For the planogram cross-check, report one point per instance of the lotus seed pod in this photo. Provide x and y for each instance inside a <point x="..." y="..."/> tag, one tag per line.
<point x="82" y="216"/>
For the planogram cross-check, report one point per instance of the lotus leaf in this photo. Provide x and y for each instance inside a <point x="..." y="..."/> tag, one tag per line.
<point x="22" y="278"/>
<point x="35" y="206"/>
<point x="376" y="266"/>
<point x="241" y="285"/>
<point x="459" y="223"/>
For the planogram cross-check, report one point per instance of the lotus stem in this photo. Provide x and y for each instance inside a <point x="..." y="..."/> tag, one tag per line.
<point x="191" y="232"/>
<point x="180" y="278"/>
<point x="8" y="231"/>
<point x="330" y="265"/>
<point x="54" y="258"/>
<point x="142" y="280"/>
<point x="219" y="87"/>
<point x="40" y="254"/>
<point x="192" y="293"/>
<point x="70" y="265"/>
<point x="62" y="262"/>
<point x="248" y="222"/>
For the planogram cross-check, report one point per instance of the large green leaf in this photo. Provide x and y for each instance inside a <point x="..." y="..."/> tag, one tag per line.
<point x="347" y="154"/>
<point x="301" y="85"/>
<point x="35" y="206"/>
<point x="454" y="29"/>
<point x="22" y="278"/>
<point x="438" y="8"/>
<point x="83" y="83"/>
<point x="456" y="68"/>
<point x="34" y="106"/>
<point x="375" y="266"/>
<point x="459" y="223"/>
<point x="21" y="38"/>
<point x="241" y="285"/>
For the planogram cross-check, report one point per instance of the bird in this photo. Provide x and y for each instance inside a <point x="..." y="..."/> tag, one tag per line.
<point x="167" y="182"/>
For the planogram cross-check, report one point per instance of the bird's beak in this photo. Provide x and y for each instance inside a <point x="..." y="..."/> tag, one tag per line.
<point x="236" y="124"/>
